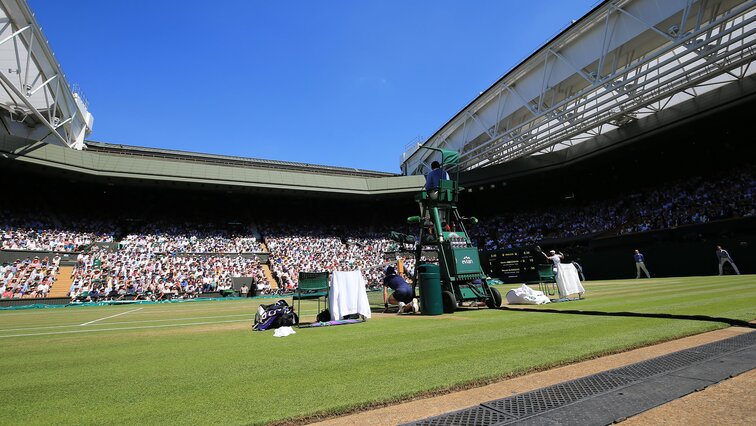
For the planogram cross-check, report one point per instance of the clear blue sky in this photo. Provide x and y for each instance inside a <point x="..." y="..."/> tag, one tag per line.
<point x="344" y="82"/>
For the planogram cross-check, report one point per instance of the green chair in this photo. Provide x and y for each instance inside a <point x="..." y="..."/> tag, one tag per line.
<point x="447" y="191"/>
<point x="546" y="279"/>
<point x="312" y="285"/>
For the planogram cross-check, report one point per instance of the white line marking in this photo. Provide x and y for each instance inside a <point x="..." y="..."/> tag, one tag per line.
<point x="124" y="328"/>
<point x="130" y="322"/>
<point x="120" y="322"/>
<point x="113" y="316"/>
<point x="134" y="322"/>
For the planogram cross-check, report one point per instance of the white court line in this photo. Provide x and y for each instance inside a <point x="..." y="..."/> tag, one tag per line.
<point x="120" y="322"/>
<point x="178" y="308"/>
<point x="69" y="309"/>
<point x="113" y="316"/>
<point x="199" y="305"/>
<point x="135" y="322"/>
<point x="123" y="328"/>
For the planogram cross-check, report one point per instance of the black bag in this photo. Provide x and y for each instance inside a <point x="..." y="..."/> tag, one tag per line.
<point x="324" y="316"/>
<point x="275" y="315"/>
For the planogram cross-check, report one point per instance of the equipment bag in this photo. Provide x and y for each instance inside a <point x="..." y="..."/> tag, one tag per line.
<point x="275" y="315"/>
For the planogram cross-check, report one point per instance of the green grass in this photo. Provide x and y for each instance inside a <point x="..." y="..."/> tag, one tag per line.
<point x="199" y="363"/>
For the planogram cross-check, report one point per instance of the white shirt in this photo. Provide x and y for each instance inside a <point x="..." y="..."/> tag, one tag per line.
<point x="556" y="258"/>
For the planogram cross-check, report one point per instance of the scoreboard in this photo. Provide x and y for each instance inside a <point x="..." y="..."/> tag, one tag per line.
<point x="512" y="266"/>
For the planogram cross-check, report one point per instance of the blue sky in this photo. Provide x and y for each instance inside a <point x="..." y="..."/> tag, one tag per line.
<point x="338" y="82"/>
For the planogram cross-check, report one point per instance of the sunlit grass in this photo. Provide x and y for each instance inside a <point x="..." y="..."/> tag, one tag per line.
<point x="200" y="363"/>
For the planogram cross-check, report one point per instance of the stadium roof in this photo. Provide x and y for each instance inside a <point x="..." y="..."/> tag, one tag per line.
<point x="624" y="60"/>
<point x="119" y="149"/>
<point x="150" y="165"/>
<point x="34" y="95"/>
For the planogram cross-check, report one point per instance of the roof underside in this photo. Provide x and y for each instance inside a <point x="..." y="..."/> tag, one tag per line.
<point x="36" y="101"/>
<point x="624" y="61"/>
<point x="129" y="150"/>
<point x="174" y="166"/>
<point x="733" y="103"/>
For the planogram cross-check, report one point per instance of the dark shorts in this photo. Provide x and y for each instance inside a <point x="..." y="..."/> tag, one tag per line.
<point x="403" y="294"/>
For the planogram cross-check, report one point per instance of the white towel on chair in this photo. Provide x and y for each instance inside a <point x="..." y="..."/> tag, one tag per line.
<point x="567" y="280"/>
<point x="348" y="295"/>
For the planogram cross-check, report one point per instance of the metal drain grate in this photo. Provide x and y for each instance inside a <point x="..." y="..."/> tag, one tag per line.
<point x="555" y="396"/>
<point x="478" y="416"/>
<point x="597" y="388"/>
<point x="731" y="344"/>
<point x="662" y="364"/>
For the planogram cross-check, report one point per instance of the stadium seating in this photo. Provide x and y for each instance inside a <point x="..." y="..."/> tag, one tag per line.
<point x="189" y="256"/>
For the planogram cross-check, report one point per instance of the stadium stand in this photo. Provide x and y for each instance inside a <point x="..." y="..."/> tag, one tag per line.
<point x="166" y="261"/>
<point x="673" y="204"/>
<point x="183" y="258"/>
<point x="596" y="209"/>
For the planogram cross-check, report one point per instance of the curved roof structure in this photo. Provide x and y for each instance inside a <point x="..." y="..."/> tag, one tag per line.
<point x="36" y="101"/>
<point x="623" y="61"/>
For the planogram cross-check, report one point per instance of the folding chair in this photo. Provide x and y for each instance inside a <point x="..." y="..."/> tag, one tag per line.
<point x="546" y="279"/>
<point x="312" y="285"/>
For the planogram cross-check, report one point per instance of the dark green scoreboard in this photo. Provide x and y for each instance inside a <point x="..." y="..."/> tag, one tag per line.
<point x="511" y="266"/>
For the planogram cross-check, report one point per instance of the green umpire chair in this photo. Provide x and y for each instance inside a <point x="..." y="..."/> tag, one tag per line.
<point x="312" y="285"/>
<point x="546" y="279"/>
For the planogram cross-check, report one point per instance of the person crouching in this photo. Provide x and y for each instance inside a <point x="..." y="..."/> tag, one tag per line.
<point x="402" y="292"/>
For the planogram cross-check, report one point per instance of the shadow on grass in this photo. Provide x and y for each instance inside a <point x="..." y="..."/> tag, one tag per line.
<point x="729" y="321"/>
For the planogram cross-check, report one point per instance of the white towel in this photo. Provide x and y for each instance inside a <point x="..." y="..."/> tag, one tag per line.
<point x="526" y="296"/>
<point x="348" y="295"/>
<point x="568" y="281"/>
<point x="283" y="332"/>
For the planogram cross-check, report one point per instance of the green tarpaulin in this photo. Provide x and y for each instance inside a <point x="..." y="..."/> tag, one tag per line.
<point x="449" y="158"/>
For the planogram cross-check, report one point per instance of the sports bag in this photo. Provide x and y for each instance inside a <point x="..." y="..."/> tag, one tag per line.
<point x="275" y="315"/>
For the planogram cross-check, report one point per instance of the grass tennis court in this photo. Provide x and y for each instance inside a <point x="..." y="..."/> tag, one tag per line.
<point x="199" y="362"/>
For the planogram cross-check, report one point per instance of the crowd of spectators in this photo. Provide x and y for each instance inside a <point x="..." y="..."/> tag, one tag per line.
<point x="164" y="259"/>
<point x="189" y="238"/>
<point x="299" y="248"/>
<point x="670" y="205"/>
<point x="28" y="278"/>
<point x="45" y="233"/>
<point x="116" y="275"/>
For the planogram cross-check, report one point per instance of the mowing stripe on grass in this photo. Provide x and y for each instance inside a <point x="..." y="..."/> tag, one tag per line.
<point x="120" y="323"/>
<point x="123" y="328"/>
<point x="91" y="330"/>
<point x="112" y="316"/>
<point x="133" y="322"/>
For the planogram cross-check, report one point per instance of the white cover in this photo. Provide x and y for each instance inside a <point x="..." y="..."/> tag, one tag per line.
<point x="567" y="280"/>
<point x="526" y="296"/>
<point x="348" y="295"/>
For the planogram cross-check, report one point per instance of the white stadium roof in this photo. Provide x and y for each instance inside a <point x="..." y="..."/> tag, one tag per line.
<point x="36" y="101"/>
<point x="623" y="61"/>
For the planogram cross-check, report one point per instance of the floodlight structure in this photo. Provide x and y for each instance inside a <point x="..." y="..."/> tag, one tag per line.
<point x="36" y="101"/>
